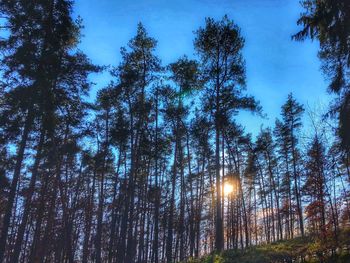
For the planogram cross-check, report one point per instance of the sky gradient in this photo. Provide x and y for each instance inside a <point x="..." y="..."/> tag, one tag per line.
<point x="276" y="65"/>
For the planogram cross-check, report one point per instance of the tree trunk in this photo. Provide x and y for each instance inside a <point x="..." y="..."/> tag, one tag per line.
<point x="14" y="183"/>
<point x="28" y="201"/>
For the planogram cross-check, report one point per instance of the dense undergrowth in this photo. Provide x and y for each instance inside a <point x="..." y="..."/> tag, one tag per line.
<point x="303" y="250"/>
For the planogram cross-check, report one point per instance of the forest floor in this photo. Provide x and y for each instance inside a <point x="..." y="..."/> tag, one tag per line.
<point x="305" y="250"/>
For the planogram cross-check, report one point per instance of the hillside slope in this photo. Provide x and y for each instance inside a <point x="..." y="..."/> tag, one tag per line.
<point x="306" y="250"/>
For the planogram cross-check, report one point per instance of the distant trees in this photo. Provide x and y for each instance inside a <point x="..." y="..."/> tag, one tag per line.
<point x="266" y="153"/>
<point x="291" y="122"/>
<point x="315" y="186"/>
<point x="139" y="175"/>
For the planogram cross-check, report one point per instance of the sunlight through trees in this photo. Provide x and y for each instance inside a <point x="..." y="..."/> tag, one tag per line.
<point x="158" y="168"/>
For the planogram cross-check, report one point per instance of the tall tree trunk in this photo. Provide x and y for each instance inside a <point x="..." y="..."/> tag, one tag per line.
<point x="11" y="197"/>
<point x="112" y="238"/>
<point x="297" y="190"/>
<point x="275" y="190"/>
<point x="219" y="240"/>
<point x="182" y="205"/>
<point x="169" y="241"/>
<point x="88" y="219"/>
<point x="158" y="194"/>
<point x="101" y="195"/>
<point x="28" y="200"/>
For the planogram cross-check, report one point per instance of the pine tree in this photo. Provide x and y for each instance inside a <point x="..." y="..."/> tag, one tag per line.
<point x="315" y="187"/>
<point x="219" y="46"/>
<point x="136" y="73"/>
<point x="46" y="73"/>
<point x="288" y="130"/>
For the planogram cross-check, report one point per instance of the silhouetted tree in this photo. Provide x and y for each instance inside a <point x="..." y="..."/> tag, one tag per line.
<point x="329" y="22"/>
<point x="219" y="46"/>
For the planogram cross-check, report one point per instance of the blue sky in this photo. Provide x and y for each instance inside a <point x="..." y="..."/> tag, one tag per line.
<point x="276" y="65"/>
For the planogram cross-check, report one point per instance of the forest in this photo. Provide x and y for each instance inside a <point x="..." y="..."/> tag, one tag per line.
<point x="157" y="168"/>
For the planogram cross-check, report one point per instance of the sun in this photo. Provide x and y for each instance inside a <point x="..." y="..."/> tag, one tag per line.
<point x="228" y="188"/>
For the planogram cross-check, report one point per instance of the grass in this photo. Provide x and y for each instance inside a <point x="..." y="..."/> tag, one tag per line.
<point x="303" y="250"/>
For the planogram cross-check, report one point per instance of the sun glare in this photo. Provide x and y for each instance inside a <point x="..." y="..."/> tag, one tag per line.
<point x="228" y="188"/>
